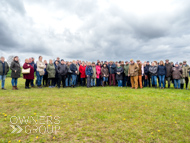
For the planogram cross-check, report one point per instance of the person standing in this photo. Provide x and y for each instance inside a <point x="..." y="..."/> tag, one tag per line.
<point x="161" y="74"/>
<point x="45" y="76"/>
<point x="126" y="77"/>
<point x="4" y="69"/>
<point x="74" y="70"/>
<point x="105" y="74"/>
<point x="112" y="68"/>
<point x="98" y="74"/>
<point x="89" y="73"/>
<point x="147" y="74"/>
<point x="153" y="69"/>
<point x="56" y="74"/>
<point x="168" y="72"/>
<point x="40" y="71"/>
<point x="119" y="75"/>
<point x="15" y="74"/>
<point x="186" y="69"/>
<point x="177" y="75"/>
<point x="30" y="76"/>
<point x="139" y="73"/>
<point x="133" y="73"/>
<point x="32" y="63"/>
<point x="78" y="78"/>
<point x="82" y="69"/>
<point x="93" y="79"/>
<point x="62" y="71"/>
<point x="51" y="73"/>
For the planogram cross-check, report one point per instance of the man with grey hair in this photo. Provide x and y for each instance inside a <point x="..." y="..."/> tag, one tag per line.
<point x="4" y="69"/>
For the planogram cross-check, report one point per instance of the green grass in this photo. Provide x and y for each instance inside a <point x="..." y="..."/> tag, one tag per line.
<point x="108" y="114"/>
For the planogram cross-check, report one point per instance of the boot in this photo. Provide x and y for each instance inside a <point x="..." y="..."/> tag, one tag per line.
<point x="13" y="88"/>
<point x="16" y="88"/>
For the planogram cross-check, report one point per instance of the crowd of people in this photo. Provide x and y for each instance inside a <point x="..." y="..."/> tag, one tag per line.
<point x="80" y="73"/>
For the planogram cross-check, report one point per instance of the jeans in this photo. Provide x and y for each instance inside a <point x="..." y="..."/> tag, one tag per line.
<point x="92" y="81"/>
<point x="154" y="80"/>
<point x="14" y="81"/>
<point x="161" y="80"/>
<point x="32" y="82"/>
<point x="105" y="79"/>
<point x="119" y="83"/>
<point x="177" y="83"/>
<point x="2" y="78"/>
<point x="74" y="77"/>
<point x="39" y="78"/>
<point x="88" y="81"/>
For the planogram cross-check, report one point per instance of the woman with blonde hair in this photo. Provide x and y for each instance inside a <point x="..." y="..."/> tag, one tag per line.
<point x="161" y="74"/>
<point x="153" y="72"/>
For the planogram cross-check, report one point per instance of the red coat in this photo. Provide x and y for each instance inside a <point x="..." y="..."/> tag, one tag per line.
<point x="82" y="71"/>
<point x="31" y="74"/>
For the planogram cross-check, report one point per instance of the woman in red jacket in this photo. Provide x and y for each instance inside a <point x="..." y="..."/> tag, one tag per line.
<point x="29" y="76"/>
<point x="82" y="69"/>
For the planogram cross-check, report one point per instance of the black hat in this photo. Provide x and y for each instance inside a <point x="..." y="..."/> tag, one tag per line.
<point x="62" y="60"/>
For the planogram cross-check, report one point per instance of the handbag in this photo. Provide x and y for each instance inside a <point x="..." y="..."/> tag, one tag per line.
<point x="26" y="71"/>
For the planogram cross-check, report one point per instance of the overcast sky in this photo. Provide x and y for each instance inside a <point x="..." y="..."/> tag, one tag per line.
<point x="96" y="29"/>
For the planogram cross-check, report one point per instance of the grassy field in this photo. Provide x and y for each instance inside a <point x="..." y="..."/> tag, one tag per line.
<point x="108" y="114"/>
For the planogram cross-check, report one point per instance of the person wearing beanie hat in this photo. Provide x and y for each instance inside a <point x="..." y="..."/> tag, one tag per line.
<point x="176" y="74"/>
<point x="133" y="73"/>
<point x="186" y="69"/>
<point x="168" y="72"/>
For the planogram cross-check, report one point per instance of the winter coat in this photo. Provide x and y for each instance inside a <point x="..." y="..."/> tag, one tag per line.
<point x="6" y="70"/>
<point x="126" y="69"/>
<point x="15" y="66"/>
<point x="62" y="69"/>
<point x="177" y="72"/>
<point x="40" y="67"/>
<point x="98" y="71"/>
<point x="104" y="72"/>
<point x="94" y="72"/>
<point x="31" y="74"/>
<point x="82" y="71"/>
<point x="140" y="69"/>
<point x="73" y="68"/>
<point x="146" y="70"/>
<point x="89" y="71"/>
<point x="51" y="70"/>
<point x="120" y="75"/>
<point x="153" y="70"/>
<point x="186" y="70"/>
<point x="77" y="69"/>
<point x="112" y="68"/>
<point x="168" y="70"/>
<point x="133" y="69"/>
<point x="161" y="70"/>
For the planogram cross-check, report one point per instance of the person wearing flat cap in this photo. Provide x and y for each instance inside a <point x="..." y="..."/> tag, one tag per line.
<point x="140" y="73"/>
<point x="133" y="73"/>
<point x="168" y="72"/>
<point x="186" y="69"/>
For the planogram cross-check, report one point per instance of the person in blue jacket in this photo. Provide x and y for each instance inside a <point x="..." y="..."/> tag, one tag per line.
<point x="89" y="73"/>
<point x="161" y="74"/>
<point x="74" y="71"/>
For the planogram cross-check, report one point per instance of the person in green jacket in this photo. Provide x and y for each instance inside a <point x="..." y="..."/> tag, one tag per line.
<point x="126" y="77"/>
<point x="186" y="69"/>
<point x="51" y="73"/>
<point x="4" y="69"/>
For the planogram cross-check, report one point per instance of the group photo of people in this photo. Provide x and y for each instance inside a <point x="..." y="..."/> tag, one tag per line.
<point x="60" y="73"/>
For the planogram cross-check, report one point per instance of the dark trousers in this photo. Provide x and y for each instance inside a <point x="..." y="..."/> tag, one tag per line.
<point x="89" y="81"/>
<point x="126" y="78"/>
<point x="98" y="81"/>
<point x="27" y="82"/>
<point x="82" y="80"/>
<point x="168" y="80"/>
<point x="143" y="81"/>
<point x="51" y="81"/>
<point x="45" y="80"/>
<point x="186" y="81"/>
<point x="61" y="79"/>
<point x="148" y="81"/>
<point x="112" y="79"/>
<point x="55" y="81"/>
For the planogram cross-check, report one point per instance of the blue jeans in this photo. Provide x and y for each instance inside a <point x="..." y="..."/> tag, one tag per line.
<point x="154" y="80"/>
<point x="177" y="83"/>
<point x="2" y="78"/>
<point x="105" y="79"/>
<point x="119" y="83"/>
<point x="74" y="77"/>
<point x="161" y="80"/>
<point x="39" y="78"/>
<point x="92" y="81"/>
<point x="14" y="81"/>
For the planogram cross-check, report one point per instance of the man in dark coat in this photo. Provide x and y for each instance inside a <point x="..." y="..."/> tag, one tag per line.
<point x="168" y="72"/>
<point x="62" y="73"/>
<point x="147" y="74"/>
<point x="74" y="71"/>
<point x="112" y="68"/>
<point x="4" y="69"/>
